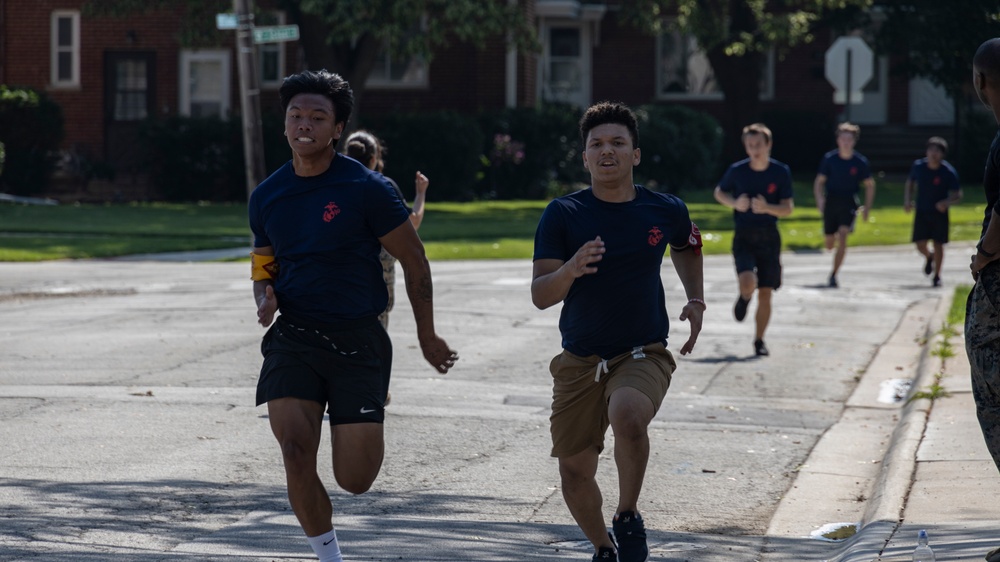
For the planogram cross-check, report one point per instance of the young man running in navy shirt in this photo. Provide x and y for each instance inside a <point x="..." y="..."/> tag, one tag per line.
<point x="936" y="182"/>
<point x="319" y="223"/>
<point x="599" y="252"/>
<point x="842" y="172"/>
<point x="759" y="190"/>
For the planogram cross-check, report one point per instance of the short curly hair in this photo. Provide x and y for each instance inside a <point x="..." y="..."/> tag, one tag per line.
<point x="324" y="83"/>
<point x="609" y="112"/>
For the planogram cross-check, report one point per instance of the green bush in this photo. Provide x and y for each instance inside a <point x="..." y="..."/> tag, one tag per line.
<point x="445" y="146"/>
<point x="680" y="148"/>
<point x="201" y="159"/>
<point x="194" y="159"/>
<point x="3" y="157"/>
<point x="529" y="151"/>
<point x="31" y="128"/>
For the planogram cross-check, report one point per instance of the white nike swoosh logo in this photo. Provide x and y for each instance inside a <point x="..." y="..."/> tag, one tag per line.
<point x="367" y="411"/>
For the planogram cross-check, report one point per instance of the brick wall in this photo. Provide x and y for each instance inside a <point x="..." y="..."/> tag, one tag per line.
<point x="27" y="63"/>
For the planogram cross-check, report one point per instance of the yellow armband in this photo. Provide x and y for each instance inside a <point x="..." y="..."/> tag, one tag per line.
<point x="262" y="267"/>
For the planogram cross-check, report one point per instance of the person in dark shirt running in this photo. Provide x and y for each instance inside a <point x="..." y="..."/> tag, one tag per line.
<point x="318" y="223"/>
<point x="842" y="172"/>
<point x="599" y="252"/>
<point x="759" y="191"/>
<point x="937" y="188"/>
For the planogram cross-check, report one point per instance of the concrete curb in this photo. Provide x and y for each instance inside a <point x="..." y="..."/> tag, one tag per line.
<point x="884" y="511"/>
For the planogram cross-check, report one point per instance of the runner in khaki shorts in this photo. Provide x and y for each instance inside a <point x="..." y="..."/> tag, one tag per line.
<point x="599" y="251"/>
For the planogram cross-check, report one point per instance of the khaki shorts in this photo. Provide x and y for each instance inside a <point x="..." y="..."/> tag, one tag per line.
<point x="580" y="404"/>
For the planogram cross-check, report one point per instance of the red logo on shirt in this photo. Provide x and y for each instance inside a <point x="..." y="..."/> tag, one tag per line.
<point x="854" y="170"/>
<point x="937" y="180"/>
<point x="772" y="188"/>
<point x="331" y="211"/>
<point x="655" y="235"/>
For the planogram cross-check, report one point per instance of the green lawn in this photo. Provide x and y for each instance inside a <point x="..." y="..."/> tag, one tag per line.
<point x="480" y="230"/>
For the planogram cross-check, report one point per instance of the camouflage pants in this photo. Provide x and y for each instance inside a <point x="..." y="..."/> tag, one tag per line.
<point x="389" y="276"/>
<point x="982" y="343"/>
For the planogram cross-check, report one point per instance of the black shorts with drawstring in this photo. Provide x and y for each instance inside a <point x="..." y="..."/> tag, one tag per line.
<point x="344" y="367"/>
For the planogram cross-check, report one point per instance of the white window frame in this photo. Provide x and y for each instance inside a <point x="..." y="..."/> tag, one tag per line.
<point x="277" y="47"/>
<point x="766" y="90"/>
<point x="584" y="61"/>
<point x="56" y="49"/>
<point x="222" y="56"/>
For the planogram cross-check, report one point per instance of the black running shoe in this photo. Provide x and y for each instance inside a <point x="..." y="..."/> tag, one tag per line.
<point x="630" y="534"/>
<point x="929" y="265"/>
<point x="740" y="309"/>
<point x="760" y="349"/>
<point x="605" y="554"/>
<point x="937" y="281"/>
<point x="833" y="282"/>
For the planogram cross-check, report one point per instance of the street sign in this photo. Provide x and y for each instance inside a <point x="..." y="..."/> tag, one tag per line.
<point x="849" y="64"/>
<point x="225" y="21"/>
<point x="275" y="34"/>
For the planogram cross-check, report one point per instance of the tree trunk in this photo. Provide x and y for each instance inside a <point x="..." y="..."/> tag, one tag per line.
<point x="739" y="79"/>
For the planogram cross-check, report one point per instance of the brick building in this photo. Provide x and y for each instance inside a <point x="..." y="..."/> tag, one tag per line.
<point x="109" y="74"/>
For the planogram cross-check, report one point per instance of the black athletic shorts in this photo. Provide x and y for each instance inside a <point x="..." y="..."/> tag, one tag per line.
<point x="758" y="249"/>
<point x="839" y="212"/>
<point x="345" y="368"/>
<point x="930" y="225"/>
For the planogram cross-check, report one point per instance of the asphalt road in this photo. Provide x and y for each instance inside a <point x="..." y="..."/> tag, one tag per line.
<point x="128" y="428"/>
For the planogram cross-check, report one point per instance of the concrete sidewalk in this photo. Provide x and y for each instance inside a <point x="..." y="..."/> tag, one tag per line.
<point x="937" y="474"/>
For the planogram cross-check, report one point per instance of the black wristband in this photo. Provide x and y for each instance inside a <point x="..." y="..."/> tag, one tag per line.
<point x="979" y="248"/>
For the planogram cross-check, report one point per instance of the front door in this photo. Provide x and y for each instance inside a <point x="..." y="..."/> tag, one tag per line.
<point x="566" y="63"/>
<point x="128" y="100"/>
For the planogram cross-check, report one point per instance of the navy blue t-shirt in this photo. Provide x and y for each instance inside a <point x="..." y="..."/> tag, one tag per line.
<point x="844" y="177"/>
<point x="622" y="305"/>
<point x="933" y="185"/>
<point x="325" y="230"/>
<point x="774" y="183"/>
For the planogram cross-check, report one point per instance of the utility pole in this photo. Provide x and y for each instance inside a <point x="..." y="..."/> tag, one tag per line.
<point x="253" y="140"/>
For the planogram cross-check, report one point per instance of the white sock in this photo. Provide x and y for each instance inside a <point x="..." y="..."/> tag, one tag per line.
<point x="325" y="546"/>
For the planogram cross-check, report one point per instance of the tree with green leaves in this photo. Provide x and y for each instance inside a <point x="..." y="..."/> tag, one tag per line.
<point x="346" y="36"/>
<point x="936" y="40"/>
<point x="736" y="36"/>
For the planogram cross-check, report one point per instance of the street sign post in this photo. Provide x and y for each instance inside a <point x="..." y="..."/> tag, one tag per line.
<point x="247" y="35"/>
<point x="849" y="66"/>
<point x="275" y="34"/>
<point x="226" y="20"/>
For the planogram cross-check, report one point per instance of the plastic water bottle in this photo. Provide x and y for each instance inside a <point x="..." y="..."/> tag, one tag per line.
<point x="923" y="553"/>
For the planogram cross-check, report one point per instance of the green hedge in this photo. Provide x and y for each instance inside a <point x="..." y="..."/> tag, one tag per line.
<point x="444" y="146"/>
<point x="516" y="153"/>
<point x="548" y="142"/>
<point x="680" y="147"/>
<point x="201" y="159"/>
<point x="31" y="128"/>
